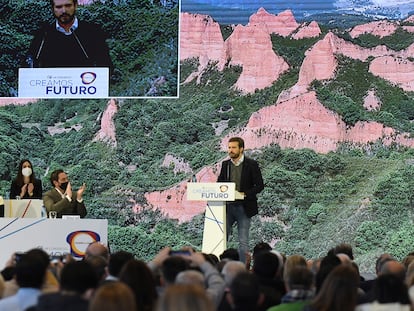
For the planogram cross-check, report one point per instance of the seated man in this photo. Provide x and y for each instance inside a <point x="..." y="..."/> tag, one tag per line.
<point x="61" y="198"/>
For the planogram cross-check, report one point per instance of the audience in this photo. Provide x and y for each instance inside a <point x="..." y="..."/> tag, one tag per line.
<point x="191" y="280"/>
<point x="139" y="278"/>
<point x="338" y="292"/>
<point x="180" y="297"/>
<point x="30" y="275"/>
<point x="78" y="281"/>
<point x="113" y="296"/>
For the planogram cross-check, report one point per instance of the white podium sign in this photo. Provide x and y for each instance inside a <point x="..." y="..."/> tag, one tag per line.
<point x="56" y="236"/>
<point x="219" y="191"/>
<point x="23" y="208"/>
<point x="89" y="82"/>
<point x="216" y="195"/>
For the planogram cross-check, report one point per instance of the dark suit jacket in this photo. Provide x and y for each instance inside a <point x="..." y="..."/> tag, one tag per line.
<point x="37" y="191"/>
<point x="53" y="201"/>
<point x="251" y="183"/>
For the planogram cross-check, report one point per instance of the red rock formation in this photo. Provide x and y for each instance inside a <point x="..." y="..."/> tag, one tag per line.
<point x="303" y="122"/>
<point x="173" y="202"/>
<point x="248" y="46"/>
<point x="282" y="24"/>
<point x="107" y="132"/>
<point x="408" y="28"/>
<point x="310" y="30"/>
<point x="400" y="71"/>
<point x="378" y="28"/>
<point x="320" y="62"/>
<point x="200" y="37"/>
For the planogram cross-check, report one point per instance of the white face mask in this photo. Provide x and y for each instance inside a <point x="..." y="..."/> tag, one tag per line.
<point x="27" y="171"/>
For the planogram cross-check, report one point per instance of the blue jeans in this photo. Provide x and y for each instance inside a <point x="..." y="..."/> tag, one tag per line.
<point x="235" y="214"/>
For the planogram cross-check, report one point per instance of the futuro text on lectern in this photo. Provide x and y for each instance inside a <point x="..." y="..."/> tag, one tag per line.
<point x="216" y="195"/>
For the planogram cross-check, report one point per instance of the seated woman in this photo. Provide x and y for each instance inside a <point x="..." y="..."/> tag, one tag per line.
<point x="26" y="185"/>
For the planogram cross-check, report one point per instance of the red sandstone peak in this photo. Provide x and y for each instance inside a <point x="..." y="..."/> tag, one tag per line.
<point x="380" y="29"/>
<point x="200" y="36"/>
<point x="251" y="47"/>
<point x="310" y="30"/>
<point x="282" y="24"/>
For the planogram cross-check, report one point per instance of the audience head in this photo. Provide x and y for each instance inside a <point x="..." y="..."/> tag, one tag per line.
<point x="245" y="292"/>
<point x="31" y="268"/>
<point x="383" y="258"/>
<point x="190" y="277"/>
<point x="261" y="247"/>
<point x="78" y="277"/>
<point x="113" y="296"/>
<point x="230" y="253"/>
<point x="393" y="267"/>
<point x="97" y="249"/>
<point x="344" y="248"/>
<point x="299" y="277"/>
<point x="231" y="269"/>
<point x="292" y="262"/>
<point x="339" y="290"/>
<point x="171" y="267"/>
<point x="180" y="297"/>
<point x="139" y="278"/>
<point x="99" y="265"/>
<point x="389" y="288"/>
<point x="117" y="260"/>
<point x="328" y="263"/>
<point x="266" y="265"/>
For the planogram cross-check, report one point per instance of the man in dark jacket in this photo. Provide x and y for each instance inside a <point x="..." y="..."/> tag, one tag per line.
<point x="245" y="173"/>
<point x="68" y="42"/>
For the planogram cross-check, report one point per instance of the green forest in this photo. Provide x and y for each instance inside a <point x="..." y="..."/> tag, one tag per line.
<point x="362" y="195"/>
<point x="142" y="37"/>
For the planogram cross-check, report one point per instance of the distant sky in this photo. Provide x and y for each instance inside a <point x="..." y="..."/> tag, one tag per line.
<point x="239" y="11"/>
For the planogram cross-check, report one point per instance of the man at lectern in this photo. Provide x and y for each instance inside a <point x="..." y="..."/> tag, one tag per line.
<point x="246" y="174"/>
<point x="62" y="199"/>
<point x="68" y="41"/>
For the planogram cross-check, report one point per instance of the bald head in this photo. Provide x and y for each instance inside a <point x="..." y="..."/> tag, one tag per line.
<point x="97" y="249"/>
<point x="393" y="267"/>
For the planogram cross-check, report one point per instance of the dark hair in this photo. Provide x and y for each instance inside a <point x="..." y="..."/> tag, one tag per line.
<point x="31" y="268"/>
<point x="55" y="176"/>
<point x="20" y="177"/>
<point x="78" y="276"/>
<point x="172" y="266"/>
<point x="140" y="279"/>
<point x="238" y="140"/>
<point x="230" y="253"/>
<point x="117" y="260"/>
<point x="266" y="265"/>
<point x="390" y="288"/>
<point x="260" y="248"/>
<point x="344" y="248"/>
<point x="52" y="2"/>
<point x="245" y="291"/>
<point x="328" y="263"/>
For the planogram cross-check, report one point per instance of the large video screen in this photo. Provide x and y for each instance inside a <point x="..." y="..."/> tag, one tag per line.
<point x="130" y="47"/>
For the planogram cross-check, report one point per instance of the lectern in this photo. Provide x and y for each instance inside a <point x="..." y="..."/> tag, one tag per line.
<point x="216" y="195"/>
